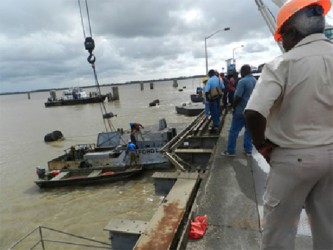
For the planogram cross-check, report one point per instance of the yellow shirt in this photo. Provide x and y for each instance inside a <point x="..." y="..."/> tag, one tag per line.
<point x="295" y="94"/>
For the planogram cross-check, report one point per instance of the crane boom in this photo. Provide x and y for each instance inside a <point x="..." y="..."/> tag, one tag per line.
<point x="269" y="19"/>
<point x="271" y="24"/>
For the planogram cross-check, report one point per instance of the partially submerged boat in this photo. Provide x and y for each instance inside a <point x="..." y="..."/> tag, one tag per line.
<point x="73" y="96"/>
<point x="110" y="152"/>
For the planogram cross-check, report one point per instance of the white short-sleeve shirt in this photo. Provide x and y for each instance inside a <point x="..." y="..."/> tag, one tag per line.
<point x="295" y="94"/>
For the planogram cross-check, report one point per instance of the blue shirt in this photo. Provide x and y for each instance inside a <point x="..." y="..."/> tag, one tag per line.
<point x="131" y="147"/>
<point x="212" y="83"/>
<point x="244" y="90"/>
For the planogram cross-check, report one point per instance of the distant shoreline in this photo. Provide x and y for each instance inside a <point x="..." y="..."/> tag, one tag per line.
<point x="103" y="85"/>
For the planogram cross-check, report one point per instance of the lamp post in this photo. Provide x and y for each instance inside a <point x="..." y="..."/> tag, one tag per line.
<point x="233" y="53"/>
<point x="225" y="29"/>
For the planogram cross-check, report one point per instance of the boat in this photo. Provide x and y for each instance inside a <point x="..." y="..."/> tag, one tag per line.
<point x="198" y="96"/>
<point x="73" y="96"/>
<point x="109" y="152"/>
<point x="190" y="109"/>
<point x="86" y="176"/>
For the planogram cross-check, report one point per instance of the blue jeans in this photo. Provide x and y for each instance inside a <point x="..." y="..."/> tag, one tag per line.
<point x="231" y="97"/>
<point x="237" y="123"/>
<point x="225" y="99"/>
<point x="214" y="108"/>
<point x="206" y="108"/>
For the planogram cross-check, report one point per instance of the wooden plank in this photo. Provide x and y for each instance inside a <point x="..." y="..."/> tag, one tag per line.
<point x="126" y="226"/>
<point x="175" y="175"/>
<point x="175" y="162"/>
<point x="194" y="150"/>
<point x="163" y="227"/>
<point x="95" y="173"/>
<point x="165" y="175"/>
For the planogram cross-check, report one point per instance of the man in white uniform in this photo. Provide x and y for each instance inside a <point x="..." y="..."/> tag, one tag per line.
<point x="290" y="118"/>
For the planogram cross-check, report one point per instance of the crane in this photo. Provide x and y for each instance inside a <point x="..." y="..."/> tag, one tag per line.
<point x="270" y="19"/>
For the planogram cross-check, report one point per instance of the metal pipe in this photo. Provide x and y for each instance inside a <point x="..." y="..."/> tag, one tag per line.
<point x="206" y="56"/>
<point x="233" y="53"/>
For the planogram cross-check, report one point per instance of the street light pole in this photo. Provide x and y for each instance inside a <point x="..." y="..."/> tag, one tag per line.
<point x="225" y="29"/>
<point x="233" y="53"/>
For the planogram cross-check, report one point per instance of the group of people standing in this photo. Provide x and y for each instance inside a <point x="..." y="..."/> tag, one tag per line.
<point x="228" y="86"/>
<point x="287" y="115"/>
<point x="232" y="93"/>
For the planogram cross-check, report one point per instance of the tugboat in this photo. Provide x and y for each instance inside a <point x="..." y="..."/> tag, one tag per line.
<point x="73" y="96"/>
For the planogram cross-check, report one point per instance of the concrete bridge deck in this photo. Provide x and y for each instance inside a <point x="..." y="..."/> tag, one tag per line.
<point x="229" y="190"/>
<point x="230" y="195"/>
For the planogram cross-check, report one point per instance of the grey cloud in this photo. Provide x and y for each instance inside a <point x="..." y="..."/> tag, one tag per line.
<point x="42" y="41"/>
<point x="149" y="18"/>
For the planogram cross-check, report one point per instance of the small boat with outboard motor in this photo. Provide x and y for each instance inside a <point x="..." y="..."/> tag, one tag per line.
<point x="86" y="176"/>
<point x="73" y="96"/>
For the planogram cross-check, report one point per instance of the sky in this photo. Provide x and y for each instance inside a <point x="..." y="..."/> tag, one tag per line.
<point x="42" y="42"/>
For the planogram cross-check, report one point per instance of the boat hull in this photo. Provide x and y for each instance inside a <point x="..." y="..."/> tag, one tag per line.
<point x="96" y="99"/>
<point x="197" y="98"/>
<point x="190" y="110"/>
<point x="86" y="177"/>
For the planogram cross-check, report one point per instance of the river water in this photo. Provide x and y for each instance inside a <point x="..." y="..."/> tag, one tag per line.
<point x="79" y="210"/>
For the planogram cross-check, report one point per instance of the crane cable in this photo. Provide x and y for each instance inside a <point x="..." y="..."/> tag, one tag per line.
<point x="89" y="44"/>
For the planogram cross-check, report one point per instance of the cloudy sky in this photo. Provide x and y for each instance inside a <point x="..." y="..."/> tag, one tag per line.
<point x="41" y="42"/>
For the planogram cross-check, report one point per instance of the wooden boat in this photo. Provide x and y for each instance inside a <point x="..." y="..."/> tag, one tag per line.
<point x="77" y="177"/>
<point x="73" y="97"/>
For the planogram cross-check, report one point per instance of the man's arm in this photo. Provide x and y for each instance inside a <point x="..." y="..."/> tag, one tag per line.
<point x="256" y="125"/>
<point x="237" y="100"/>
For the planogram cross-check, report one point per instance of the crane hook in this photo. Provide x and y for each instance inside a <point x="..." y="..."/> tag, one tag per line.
<point x="89" y="44"/>
<point x="91" y="58"/>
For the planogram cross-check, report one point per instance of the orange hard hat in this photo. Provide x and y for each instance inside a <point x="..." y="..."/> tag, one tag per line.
<point x="291" y="7"/>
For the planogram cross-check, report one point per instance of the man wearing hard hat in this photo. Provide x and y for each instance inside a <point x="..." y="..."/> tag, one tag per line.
<point x="206" y="102"/>
<point x="290" y="118"/>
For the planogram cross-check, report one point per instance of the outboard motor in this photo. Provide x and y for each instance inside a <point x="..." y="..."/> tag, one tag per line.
<point x="40" y="171"/>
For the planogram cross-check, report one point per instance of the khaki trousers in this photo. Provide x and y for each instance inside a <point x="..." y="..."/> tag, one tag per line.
<point x="299" y="177"/>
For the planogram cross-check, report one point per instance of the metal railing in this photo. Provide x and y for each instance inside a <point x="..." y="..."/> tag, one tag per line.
<point x="42" y="241"/>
